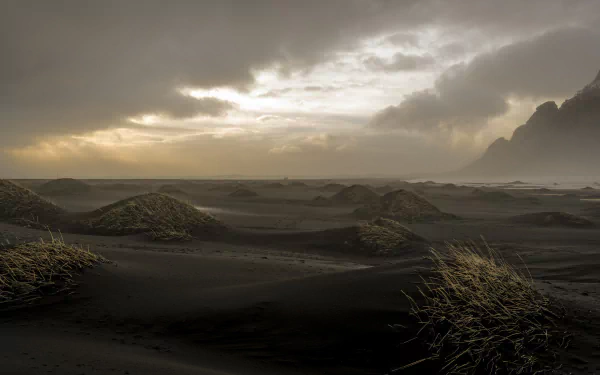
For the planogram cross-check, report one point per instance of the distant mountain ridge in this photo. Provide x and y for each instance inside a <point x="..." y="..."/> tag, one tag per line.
<point x="554" y="141"/>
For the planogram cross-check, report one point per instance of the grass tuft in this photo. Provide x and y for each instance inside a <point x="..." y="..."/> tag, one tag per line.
<point x="482" y="316"/>
<point x="31" y="270"/>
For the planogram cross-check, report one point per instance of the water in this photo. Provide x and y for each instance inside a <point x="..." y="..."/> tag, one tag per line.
<point x="554" y="182"/>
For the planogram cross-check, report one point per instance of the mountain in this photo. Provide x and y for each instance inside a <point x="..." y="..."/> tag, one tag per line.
<point x="554" y="141"/>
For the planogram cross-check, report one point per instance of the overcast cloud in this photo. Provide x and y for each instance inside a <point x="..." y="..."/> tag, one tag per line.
<point x="92" y="85"/>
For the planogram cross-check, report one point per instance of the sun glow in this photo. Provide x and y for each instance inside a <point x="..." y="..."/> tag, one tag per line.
<point x="248" y="102"/>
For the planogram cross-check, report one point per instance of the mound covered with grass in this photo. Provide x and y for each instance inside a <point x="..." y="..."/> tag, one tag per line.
<point x="384" y="189"/>
<point x="297" y="184"/>
<point x="243" y="193"/>
<point x="159" y="216"/>
<point x="355" y="194"/>
<point x="64" y="186"/>
<point x="228" y="187"/>
<point x="403" y="205"/>
<point x="119" y="186"/>
<point x="380" y="237"/>
<point x="592" y="211"/>
<point x="332" y="188"/>
<point x="32" y="270"/>
<point x="171" y="190"/>
<point x="492" y="196"/>
<point x="274" y="185"/>
<point x="482" y="316"/>
<point x="553" y="219"/>
<point x="21" y="205"/>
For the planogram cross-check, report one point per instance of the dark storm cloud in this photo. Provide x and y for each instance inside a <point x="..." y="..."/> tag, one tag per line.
<point x="73" y="66"/>
<point x="553" y="65"/>
<point x="76" y="66"/>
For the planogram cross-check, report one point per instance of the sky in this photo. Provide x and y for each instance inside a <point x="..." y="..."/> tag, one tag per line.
<point x="148" y="88"/>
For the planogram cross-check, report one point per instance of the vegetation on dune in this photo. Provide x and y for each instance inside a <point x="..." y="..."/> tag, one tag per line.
<point x="551" y="219"/>
<point x="385" y="237"/>
<point x="129" y="187"/>
<point x="482" y="316"/>
<point x="157" y="215"/>
<point x="243" y="193"/>
<point x="593" y="211"/>
<point x="64" y="186"/>
<point x="171" y="189"/>
<point x="355" y="194"/>
<point x="403" y="205"/>
<point x="333" y="187"/>
<point x="380" y="237"/>
<point x="228" y="187"/>
<point x="491" y="195"/>
<point x="21" y="205"/>
<point x="31" y="270"/>
<point x="297" y="184"/>
<point x="274" y="185"/>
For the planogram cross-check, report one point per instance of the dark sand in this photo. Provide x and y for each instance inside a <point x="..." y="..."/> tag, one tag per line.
<point x="270" y="300"/>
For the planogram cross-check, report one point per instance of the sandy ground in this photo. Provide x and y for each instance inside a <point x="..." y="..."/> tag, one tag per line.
<point x="276" y="306"/>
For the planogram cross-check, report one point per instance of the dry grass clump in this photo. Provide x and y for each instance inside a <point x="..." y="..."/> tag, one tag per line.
<point x="380" y="237"/>
<point x="159" y="216"/>
<point x="31" y="270"/>
<point x="482" y="316"/>
<point x="19" y="204"/>
<point x="385" y="237"/>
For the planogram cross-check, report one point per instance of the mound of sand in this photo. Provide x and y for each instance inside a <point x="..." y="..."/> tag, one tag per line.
<point x="588" y="188"/>
<point x="553" y="219"/>
<point x="319" y="201"/>
<point x="405" y="206"/>
<point x="297" y="184"/>
<point x="355" y="194"/>
<point x="384" y="189"/>
<point x="159" y="216"/>
<point x="333" y="188"/>
<point x="491" y="195"/>
<point x="171" y="190"/>
<point x="380" y="237"/>
<point x="64" y="186"/>
<point x="274" y="185"/>
<point x="243" y="193"/>
<point x="18" y="204"/>
<point x="592" y="211"/>
<point x="128" y="187"/>
<point x="228" y="187"/>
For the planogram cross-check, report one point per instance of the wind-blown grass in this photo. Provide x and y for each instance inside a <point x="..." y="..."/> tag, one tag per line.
<point x="482" y="316"/>
<point x="31" y="270"/>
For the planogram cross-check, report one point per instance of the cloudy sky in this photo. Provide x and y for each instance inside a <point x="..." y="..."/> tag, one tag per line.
<point x="143" y="88"/>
